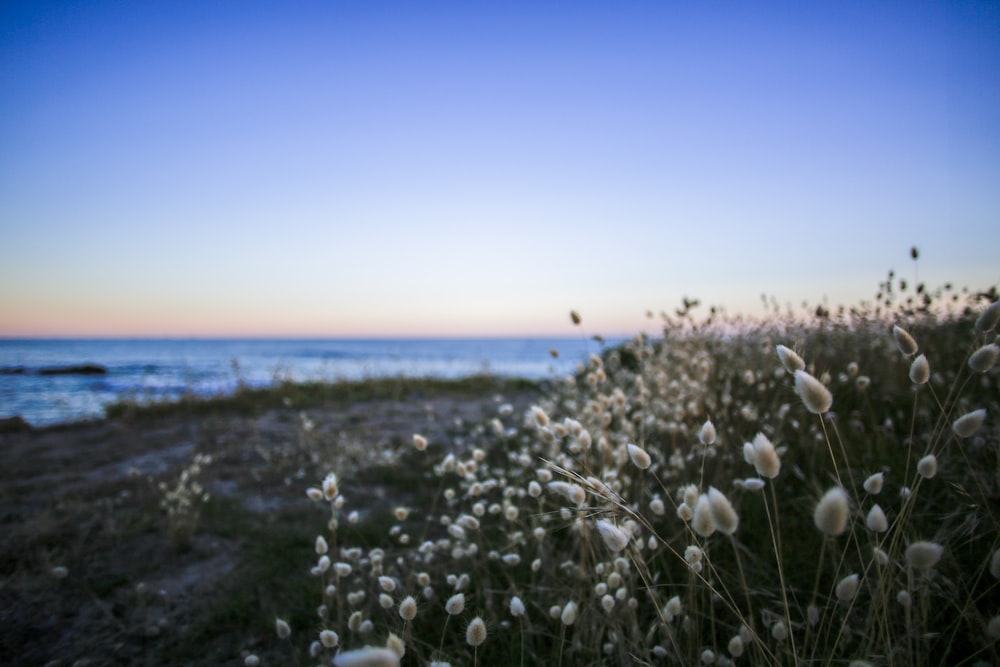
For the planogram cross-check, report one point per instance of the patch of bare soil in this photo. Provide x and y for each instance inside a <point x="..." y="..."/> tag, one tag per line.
<point x="88" y="574"/>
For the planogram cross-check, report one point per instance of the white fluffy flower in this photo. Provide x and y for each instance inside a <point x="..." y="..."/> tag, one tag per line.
<point x="923" y="555"/>
<point x="904" y="341"/>
<point x="723" y="514"/>
<point x="814" y="394"/>
<point x="832" y="512"/>
<point x="614" y="537"/>
<point x="873" y="484"/>
<point x="367" y="657"/>
<point x="639" y="456"/>
<point x="920" y="370"/>
<point x="969" y="423"/>
<point x="790" y="360"/>
<point x="876" y="520"/>
<point x="847" y="588"/>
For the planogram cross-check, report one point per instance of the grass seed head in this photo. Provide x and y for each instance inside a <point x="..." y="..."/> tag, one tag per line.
<point x="723" y="514"/>
<point x="993" y="627"/>
<point x="614" y="537"/>
<point x="847" y="588"/>
<point x="969" y="423"/>
<point x="569" y="612"/>
<point x="516" y="607"/>
<point x="813" y="615"/>
<point x="814" y="394"/>
<point x="904" y="341"/>
<point x="790" y="360"/>
<point x="989" y="319"/>
<point x="475" y="634"/>
<point x="672" y="609"/>
<point x="540" y="416"/>
<point x="873" y="485"/>
<point x="395" y="644"/>
<point x="455" y="604"/>
<point x="832" y="512"/>
<point x="920" y="370"/>
<point x="640" y="457"/>
<point x="702" y="521"/>
<point x="904" y="598"/>
<point x="923" y="556"/>
<point x="984" y="358"/>
<point x="367" y="657"/>
<point x="764" y="457"/>
<point x="408" y="608"/>
<point x="927" y="466"/>
<point x="707" y="433"/>
<point x="876" y="520"/>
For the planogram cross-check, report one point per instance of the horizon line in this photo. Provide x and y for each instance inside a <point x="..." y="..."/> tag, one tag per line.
<point x="305" y="337"/>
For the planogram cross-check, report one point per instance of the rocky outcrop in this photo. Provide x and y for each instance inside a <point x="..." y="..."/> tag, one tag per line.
<point x="81" y="369"/>
<point x="14" y="424"/>
<point x="76" y="369"/>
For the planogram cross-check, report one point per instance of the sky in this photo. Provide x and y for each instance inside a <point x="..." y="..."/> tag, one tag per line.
<point x="462" y="168"/>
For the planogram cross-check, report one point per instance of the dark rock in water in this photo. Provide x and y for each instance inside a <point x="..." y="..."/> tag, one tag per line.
<point x="81" y="369"/>
<point x="14" y="424"/>
<point x="76" y="369"/>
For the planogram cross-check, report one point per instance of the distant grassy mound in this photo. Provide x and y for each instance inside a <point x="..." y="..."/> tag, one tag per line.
<point x="255" y="400"/>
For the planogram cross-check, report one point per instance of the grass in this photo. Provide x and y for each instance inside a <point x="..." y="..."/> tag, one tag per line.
<point x="88" y="498"/>
<point x="250" y="401"/>
<point x="518" y="516"/>
<point x="506" y="504"/>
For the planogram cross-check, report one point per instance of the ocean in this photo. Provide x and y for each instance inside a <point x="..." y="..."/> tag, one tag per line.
<point x="44" y="380"/>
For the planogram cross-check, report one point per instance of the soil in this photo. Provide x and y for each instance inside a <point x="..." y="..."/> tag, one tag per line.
<point x="86" y="497"/>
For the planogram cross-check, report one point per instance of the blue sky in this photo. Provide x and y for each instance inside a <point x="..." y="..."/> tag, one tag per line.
<point x="349" y="168"/>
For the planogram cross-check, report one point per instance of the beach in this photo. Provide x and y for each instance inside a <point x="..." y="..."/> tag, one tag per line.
<point x="90" y="574"/>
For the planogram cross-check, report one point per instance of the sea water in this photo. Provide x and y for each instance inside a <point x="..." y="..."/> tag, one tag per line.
<point x="165" y="369"/>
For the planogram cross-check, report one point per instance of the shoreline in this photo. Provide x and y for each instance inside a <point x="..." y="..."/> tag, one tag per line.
<point x="50" y="382"/>
<point x="251" y="398"/>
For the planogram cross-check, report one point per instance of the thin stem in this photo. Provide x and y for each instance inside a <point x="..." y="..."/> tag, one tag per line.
<point x="775" y="529"/>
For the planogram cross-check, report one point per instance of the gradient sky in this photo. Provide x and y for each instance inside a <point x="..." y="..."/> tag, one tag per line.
<point x="421" y="168"/>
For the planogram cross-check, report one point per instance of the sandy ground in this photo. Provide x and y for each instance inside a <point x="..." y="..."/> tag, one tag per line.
<point x="84" y="497"/>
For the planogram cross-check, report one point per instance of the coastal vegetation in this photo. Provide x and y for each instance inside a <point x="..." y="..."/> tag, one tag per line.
<point x="817" y="487"/>
<point x="797" y="490"/>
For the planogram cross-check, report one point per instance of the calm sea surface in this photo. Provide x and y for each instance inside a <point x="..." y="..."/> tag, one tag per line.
<point x="153" y="369"/>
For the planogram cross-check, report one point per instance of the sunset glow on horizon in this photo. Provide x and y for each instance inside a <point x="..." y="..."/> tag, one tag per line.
<point x="448" y="169"/>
